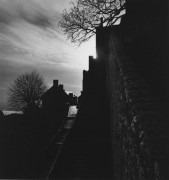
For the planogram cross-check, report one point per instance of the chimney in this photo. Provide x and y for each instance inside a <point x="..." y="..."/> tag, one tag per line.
<point x="55" y="83"/>
<point x="61" y="86"/>
<point x="70" y="94"/>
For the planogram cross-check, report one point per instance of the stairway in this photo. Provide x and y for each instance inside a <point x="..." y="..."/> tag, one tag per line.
<point x="91" y="159"/>
<point x="84" y="159"/>
<point x="87" y="152"/>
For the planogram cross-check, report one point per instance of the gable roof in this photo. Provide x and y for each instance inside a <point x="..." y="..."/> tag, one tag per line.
<point x="55" y="91"/>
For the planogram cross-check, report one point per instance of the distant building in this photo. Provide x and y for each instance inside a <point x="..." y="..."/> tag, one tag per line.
<point x="80" y="99"/>
<point x="1" y="115"/>
<point x="72" y="99"/>
<point x="93" y="80"/>
<point x="55" y="99"/>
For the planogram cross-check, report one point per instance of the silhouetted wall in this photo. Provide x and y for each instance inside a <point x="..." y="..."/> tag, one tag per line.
<point x="132" y="64"/>
<point x="94" y="80"/>
<point x="137" y="79"/>
<point x="139" y="137"/>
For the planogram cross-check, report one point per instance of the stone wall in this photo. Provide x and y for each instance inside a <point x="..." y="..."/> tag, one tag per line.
<point x="137" y="86"/>
<point x="139" y="124"/>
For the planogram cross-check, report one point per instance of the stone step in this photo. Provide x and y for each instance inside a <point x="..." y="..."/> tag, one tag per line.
<point x="92" y="152"/>
<point x="92" y="157"/>
<point x="91" y="167"/>
<point x="91" y="161"/>
<point x="90" y="171"/>
<point x="91" y="175"/>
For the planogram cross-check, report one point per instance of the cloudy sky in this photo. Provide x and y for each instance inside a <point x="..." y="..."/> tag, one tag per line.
<point x="31" y="40"/>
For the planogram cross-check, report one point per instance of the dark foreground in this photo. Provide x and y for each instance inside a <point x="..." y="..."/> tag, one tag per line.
<point x="57" y="147"/>
<point x="27" y="145"/>
<point x="86" y="153"/>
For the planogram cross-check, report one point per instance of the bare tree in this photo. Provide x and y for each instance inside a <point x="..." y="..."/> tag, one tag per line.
<point x="80" y="22"/>
<point x="26" y="91"/>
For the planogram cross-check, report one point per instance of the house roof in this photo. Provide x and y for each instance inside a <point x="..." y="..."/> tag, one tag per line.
<point x="55" y="91"/>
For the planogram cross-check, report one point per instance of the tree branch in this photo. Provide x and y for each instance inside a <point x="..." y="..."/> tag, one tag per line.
<point x="80" y="22"/>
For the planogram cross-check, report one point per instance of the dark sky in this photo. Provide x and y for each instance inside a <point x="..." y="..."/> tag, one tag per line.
<point x="31" y="40"/>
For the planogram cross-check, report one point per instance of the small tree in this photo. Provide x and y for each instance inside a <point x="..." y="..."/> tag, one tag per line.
<point x="26" y="91"/>
<point x="79" y="24"/>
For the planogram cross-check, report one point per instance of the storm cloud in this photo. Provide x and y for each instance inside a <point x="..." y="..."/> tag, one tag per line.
<point x="31" y="40"/>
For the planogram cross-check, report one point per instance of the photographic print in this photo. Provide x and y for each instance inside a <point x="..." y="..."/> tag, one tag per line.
<point x="84" y="89"/>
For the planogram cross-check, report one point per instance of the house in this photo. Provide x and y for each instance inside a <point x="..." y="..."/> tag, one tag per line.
<point x="55" y="99"/>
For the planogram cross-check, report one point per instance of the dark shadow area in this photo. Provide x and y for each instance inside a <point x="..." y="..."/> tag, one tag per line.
<point x="86" y="153"/>
<point x="121" y="128"/>
<point x="26" y="150"/>
<point x="28" y="140"/>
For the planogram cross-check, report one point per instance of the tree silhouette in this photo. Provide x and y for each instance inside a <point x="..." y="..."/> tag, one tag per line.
<point x="79" y="24"/>
<point x="26" y="91"/>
